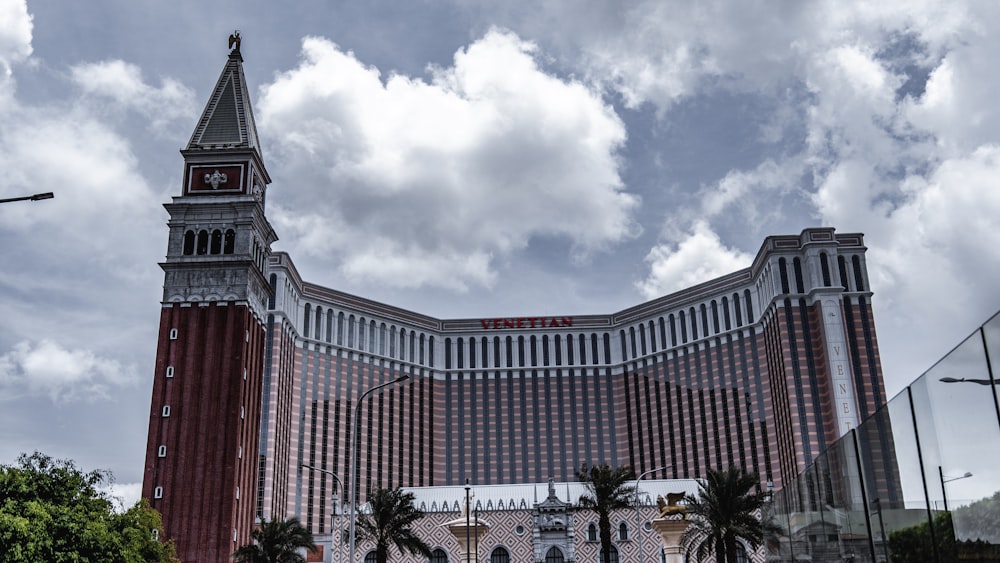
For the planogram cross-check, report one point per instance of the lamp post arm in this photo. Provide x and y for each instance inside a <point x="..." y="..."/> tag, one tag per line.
<point x="638" y="520"/>
<point x="353" y="479"/>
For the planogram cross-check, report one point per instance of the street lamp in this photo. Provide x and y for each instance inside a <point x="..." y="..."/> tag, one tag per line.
<point x="339" y="483"/>
<point x="354" y="454"/>
<point x="968" y="380"/>
<point x="944" y="492"/>
<point x="36" y="197"/>
<point x="638" y="521"/>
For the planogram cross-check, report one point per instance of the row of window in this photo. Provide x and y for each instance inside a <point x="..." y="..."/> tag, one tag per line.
<point x="216" y="242"/>
<point x="358" y="333"/>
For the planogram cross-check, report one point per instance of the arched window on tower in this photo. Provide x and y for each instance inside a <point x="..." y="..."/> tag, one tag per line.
<point x="859" y="283"/>
<point x="189" y="243"/>
<point x="202" y="243"/>
<point x="216" y="242"/>
<point x="229" y="246"/>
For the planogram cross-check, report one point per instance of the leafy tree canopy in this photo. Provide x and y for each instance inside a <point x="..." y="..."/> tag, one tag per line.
<point x="277" y="541"/>
<point x="52" y="511"/>
<point x="389" y="522"/>
<point x="608" y="489"/>
<point x="725" y="511"/>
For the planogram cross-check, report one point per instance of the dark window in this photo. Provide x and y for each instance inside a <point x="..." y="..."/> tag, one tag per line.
<point x="500" y="555"/>
<point x="447" y="353"/>
<point x="799" y="285"/>
<point x="736" y="307"/>
<point x="612" y="556"/>
<point x="554" y="555"/>
<point x="684" y="330"/>
<point x="592" y="532"/>
<point x="858" y="281"/>
<point x="216" y="242"/>
<point x="202" y="242"/>
<point x="438" y="556"/>
<point x="842" y="265"/>
<point x="371" y="557"/>
<point x="229" y="246"/>
<point x="189" y="243"/>
<point x="749" y="304"/>
<point x="305" y="321"/>
<point x="824" y="264"/>
<point x="715" y="316"/>
<point x="622" y="531"/>
<point x="783" y="272"/>
<point x="725" y="313"/>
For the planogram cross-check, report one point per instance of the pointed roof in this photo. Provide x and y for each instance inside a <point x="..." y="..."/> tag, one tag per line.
<point x="227" y="121"/>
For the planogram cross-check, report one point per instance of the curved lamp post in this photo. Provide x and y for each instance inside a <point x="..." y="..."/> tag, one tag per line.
<point x="944" y="492"/>
<point x="354" y="454"/>
<point x="638" y="521"/>
<point x="339" y="483"/>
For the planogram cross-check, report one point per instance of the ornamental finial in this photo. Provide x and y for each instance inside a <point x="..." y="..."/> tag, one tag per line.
<point x="234" y="40"/>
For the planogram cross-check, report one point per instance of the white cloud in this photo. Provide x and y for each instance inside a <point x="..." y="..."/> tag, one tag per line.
<point x="453" y="173"/>
<point x="15" y="34"/>
<point x="699" y="257"/>
<point x="122" y="83"/>
<point x="46" y="368"/>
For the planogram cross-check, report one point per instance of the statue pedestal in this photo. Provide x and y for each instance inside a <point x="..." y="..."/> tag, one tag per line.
<point x="468" y="533"/>
<point x="671" y="532"/>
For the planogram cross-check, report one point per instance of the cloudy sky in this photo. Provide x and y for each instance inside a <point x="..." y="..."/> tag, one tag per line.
<point x="468" y="159"/>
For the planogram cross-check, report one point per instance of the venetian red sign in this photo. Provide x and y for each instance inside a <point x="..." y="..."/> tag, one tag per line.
<point x="526" y="322"/>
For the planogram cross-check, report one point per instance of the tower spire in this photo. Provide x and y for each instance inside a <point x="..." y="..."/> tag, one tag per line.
<point x="227" y="120"/>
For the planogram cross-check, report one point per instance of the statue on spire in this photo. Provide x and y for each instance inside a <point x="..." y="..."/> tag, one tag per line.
<point x="234" y="39"/>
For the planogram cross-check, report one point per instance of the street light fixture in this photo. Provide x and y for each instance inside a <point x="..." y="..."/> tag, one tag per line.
<point x="968" y="380"/>
<point x="36" y="197"/>
<point x="638" y="521"/>
<point x="354" y="455"/>
<point x="944" y="492"/>
<point x="339" y="483"/>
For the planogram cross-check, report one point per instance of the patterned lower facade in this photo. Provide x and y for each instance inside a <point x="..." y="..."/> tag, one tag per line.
<point x="525" y="523"/>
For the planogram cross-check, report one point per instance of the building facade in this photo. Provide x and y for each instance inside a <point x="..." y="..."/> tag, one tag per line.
<point x="259" y="371"/>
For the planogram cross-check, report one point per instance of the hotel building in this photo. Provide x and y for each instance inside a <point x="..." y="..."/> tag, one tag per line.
<point x="259" y="371"/>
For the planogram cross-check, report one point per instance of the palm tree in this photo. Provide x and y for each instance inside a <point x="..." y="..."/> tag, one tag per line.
<point x="388" y="522"/>
<point x="608" y="489"/>
<point x="277" y="541"/>
<point x="726" y="510"/>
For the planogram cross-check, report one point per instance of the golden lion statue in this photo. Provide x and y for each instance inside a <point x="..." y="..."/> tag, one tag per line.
<point x="669" y="507"/>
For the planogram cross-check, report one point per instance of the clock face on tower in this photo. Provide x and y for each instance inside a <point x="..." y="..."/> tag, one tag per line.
<point x="215" y="179"/>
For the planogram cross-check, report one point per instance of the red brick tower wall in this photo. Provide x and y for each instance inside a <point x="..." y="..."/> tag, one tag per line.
<point x="204" y="481"/>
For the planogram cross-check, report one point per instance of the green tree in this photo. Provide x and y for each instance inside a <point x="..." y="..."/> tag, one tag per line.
<point x="52" y="511"/>
<point x="726" y="510"/>
<point x="608" y="489"/>
<point x="389" y="522"/>
<point x="277" y="541"/>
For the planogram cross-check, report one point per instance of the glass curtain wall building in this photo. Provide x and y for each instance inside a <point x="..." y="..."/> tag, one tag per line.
<point x="945" y="434"/>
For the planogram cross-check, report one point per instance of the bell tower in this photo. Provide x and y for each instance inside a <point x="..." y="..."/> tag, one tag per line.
<point x="204" y="421"/>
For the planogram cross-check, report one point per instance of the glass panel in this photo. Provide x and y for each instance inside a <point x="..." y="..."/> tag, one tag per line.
<point x="962" y="457"/>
